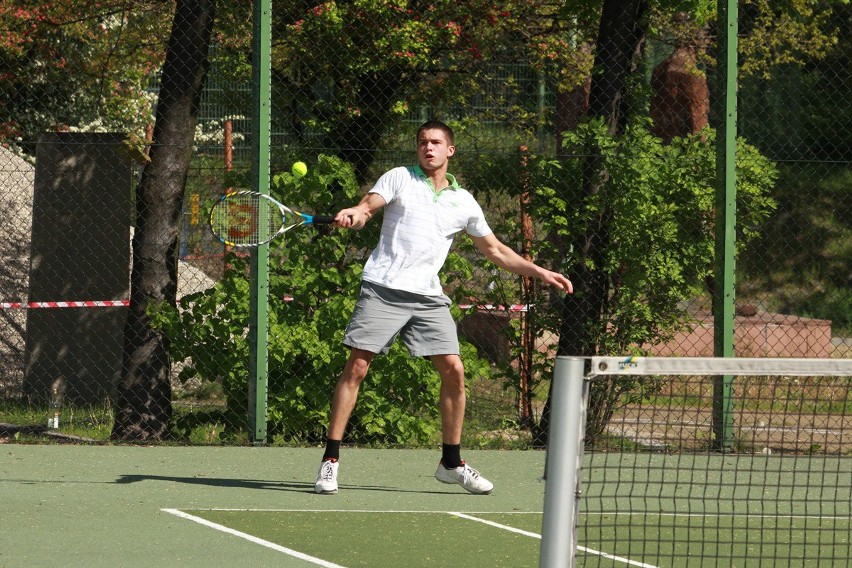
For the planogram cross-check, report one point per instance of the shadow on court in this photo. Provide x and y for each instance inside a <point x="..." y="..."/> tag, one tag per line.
<point x="256" y="484"/>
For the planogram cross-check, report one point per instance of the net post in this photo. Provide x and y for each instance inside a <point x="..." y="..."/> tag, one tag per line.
<point x="565" y="445"/>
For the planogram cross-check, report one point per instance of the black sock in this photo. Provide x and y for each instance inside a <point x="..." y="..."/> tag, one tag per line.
<point x="332" y="450"/>
<point x="451" y="456"/>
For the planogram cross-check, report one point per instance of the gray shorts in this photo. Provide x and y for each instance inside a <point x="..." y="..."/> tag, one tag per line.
<point x="423" y="322"/>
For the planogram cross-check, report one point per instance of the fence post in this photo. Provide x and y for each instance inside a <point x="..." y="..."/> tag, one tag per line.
<point x="726" y="218"/>
<point x="259" y="269"/>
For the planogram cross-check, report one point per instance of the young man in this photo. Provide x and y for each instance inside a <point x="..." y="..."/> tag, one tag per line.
<point x="401" y="293"/>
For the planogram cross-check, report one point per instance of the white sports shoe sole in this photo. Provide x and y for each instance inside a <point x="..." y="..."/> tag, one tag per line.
<point x="466" y="476"/>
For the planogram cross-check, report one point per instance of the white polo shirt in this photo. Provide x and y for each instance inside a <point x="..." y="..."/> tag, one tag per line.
<point x="418" y="229"/>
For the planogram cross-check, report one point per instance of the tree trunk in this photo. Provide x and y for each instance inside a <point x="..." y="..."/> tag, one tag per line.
<point x="355" y="140"/>
<point x="620" y="37"/>
<point x="144" y="395"/>
<point x="571" y="107"/>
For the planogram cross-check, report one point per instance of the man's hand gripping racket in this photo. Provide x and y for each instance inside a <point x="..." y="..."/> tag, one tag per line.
<point x="246" y="219"/>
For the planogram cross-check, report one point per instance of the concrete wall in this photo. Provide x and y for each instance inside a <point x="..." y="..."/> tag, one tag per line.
<point x="80" y="250"/>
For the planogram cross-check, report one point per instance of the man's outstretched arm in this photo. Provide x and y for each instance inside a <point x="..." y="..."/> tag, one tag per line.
<point x="507" y="259"/>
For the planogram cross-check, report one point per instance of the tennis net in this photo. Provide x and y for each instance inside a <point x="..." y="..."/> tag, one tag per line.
<point x="699" y="462"/>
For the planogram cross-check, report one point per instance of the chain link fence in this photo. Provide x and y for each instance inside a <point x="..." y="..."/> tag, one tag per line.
<point x="587" y="132"/>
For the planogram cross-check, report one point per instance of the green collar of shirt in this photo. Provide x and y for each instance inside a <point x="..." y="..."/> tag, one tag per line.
<point x="454" y="184"/>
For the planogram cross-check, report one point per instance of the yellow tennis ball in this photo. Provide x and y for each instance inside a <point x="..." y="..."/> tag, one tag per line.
<point x="300" y="169"/>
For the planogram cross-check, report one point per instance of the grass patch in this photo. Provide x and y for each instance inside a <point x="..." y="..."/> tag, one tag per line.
<point x="192" y="423"/>
<point x="86" y="422"/>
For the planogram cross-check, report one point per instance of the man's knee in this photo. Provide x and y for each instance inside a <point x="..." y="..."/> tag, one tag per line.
<point x="357" y="366"/>
<point x="451" y="370"/>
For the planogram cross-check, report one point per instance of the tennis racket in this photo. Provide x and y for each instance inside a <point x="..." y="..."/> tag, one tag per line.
<point x="246" y="219"/>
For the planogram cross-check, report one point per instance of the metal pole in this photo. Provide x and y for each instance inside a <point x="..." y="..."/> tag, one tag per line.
<point x="259" y="267"/>
<point x="725" y="227"/>
<point x="558" y="535"/>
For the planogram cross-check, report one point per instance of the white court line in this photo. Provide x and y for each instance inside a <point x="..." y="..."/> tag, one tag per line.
<point x="370" y="511"/>
<point x="320" y="562"/>
<point x="493" y="524"/>
<point x="250" y="538"/>
<point x="538" y="536"/>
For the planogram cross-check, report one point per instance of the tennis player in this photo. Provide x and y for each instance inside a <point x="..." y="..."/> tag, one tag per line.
<point x="401" y="293"/>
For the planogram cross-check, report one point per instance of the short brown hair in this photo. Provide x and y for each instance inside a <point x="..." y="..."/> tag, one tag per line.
<point x="437" y="125"/>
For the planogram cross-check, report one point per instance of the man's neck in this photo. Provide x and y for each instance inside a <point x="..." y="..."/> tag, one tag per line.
<point x="438" y="178"/>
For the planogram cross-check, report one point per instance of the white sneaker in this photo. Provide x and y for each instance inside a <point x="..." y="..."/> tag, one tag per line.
<point x="465" y="476"/>
<point x="327" y="478"/>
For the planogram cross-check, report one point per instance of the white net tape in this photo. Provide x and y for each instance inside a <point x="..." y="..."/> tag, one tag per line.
<point x="720" y="366"/>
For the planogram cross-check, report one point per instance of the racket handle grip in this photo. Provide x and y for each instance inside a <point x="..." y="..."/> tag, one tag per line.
<point x="323" y="219"/>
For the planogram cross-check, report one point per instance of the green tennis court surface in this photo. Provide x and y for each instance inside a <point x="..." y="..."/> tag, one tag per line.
<point x="385" y="538"/>
<point x="110" y="506"/>
<point x="209" y="507"/>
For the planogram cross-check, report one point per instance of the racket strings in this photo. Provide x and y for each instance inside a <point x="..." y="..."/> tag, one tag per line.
<point x="245" y="219"/>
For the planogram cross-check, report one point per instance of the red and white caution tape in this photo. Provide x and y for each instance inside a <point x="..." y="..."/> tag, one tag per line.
<point x="122" y="303"/>
<point x="493" y="308"/>
<point x="81" y="304"/>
